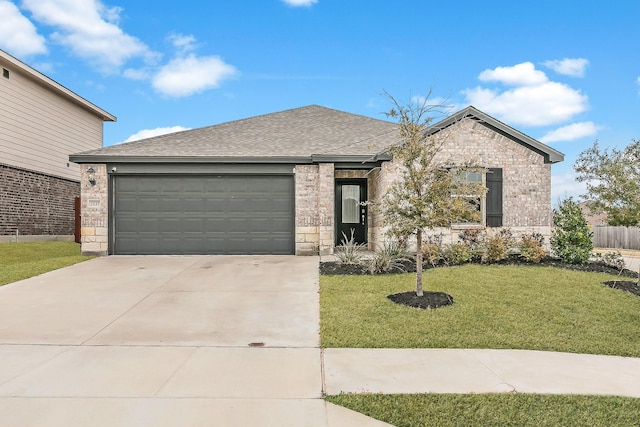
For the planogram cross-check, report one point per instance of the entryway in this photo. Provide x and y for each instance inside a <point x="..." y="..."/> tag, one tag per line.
<point x="351" y="212"/>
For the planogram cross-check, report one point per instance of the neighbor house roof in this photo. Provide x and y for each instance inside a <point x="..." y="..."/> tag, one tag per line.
<point x="12" y="64"/>
<point x="550" y="155"/>
<point x="305" y="134"/>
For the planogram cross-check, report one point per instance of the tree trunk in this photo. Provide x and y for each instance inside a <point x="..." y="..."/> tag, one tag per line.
<point x="419" y="291"/>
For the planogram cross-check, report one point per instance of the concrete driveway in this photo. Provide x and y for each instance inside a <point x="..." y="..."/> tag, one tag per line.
<point x="166" y="341"/>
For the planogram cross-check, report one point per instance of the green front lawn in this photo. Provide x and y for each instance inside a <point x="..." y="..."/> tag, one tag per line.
<point x="521" y="410"/>
<point x="509" y="307"/>
<point x="20" y="261"/>
<point x="501" y="307"/>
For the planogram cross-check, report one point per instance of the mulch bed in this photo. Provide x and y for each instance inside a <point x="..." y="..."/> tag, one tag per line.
<point x="333" y="267"/>
<point x="429" y="300"/>
<point x="624" y="285"/>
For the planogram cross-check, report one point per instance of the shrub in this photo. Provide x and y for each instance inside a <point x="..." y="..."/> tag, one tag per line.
<point x="456" y="254"/>
<point x="392" y="257"/>
<point x="431" y="254"/>
<point x="531" y="249"/>
<point x="507" y="235"/>
<point x="571" y="240"/>
<point x="612" y="259"/>
<point x="349" y="252"/>
<point x="472" y="237"/>
<point x="432" y="249"/>
<point x="496" y="248"/>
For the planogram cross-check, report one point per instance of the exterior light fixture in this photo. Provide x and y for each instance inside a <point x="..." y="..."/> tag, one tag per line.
<point x="91" y="176"/>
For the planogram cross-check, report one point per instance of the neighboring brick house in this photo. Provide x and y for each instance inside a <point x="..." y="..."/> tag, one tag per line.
<point x="41" y="123"/>
<point x="290" y="183"/>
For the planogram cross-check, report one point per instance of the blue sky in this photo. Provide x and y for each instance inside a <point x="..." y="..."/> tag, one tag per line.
<point x="564" y="72"/>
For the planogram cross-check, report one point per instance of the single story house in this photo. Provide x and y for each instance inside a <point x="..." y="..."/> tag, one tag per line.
<point x="41" y="123"/>
<point x="290" y="182"/>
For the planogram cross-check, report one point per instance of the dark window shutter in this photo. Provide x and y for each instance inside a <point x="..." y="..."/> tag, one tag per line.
<point x="494" y="197"/>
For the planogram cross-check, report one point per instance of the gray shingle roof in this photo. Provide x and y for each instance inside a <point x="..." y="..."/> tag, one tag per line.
<point x="300" y="132"/>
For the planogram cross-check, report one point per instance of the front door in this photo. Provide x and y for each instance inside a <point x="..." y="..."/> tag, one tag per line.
<point x="351" y="213"/>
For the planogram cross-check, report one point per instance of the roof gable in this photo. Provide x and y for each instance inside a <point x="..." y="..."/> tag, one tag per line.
<point x="550" y="155"/>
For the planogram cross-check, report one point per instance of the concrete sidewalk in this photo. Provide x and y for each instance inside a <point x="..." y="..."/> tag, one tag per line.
<point x="393" y="371"/>
<point x="632" y="262"/>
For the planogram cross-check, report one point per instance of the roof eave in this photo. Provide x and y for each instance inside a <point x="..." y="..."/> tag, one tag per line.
<point x="316" y="158"/>
<point x="103" y="158"/>
<point x="356" y="158"/>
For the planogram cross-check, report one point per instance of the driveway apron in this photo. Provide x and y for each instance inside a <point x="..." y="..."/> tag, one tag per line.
<point x="165" y="341"/>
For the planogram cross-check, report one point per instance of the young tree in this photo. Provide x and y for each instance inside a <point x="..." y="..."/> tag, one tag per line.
<point x="571" y="240"/>
<point x="613" y="182"/>
<point x="430" y="191"/>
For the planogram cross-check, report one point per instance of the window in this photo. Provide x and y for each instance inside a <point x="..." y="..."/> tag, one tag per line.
<point x="350" y="204"/>
<point x="478" y="201"/>
<point x="489" y="204"/>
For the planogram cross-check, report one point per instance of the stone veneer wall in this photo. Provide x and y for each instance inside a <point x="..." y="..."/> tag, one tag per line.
<point x="526" y="178"/>
<point x="33" y="203"/>
<point x="95" y="209"/>
<point x="314" y="229"/>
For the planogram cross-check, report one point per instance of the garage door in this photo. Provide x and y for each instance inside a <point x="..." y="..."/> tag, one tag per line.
<point x="203" y="214"/>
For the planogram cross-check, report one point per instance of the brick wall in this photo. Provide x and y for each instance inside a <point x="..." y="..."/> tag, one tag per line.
<point x="314" y="189"/>
<point x="526" y="178"/>
<point x="36" y="204"/>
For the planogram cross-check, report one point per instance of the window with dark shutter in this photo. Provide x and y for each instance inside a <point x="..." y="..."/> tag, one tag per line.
<point x="494" y="197"/>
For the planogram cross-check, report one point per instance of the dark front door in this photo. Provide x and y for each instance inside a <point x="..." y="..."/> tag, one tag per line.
<point x="351" y="214"/>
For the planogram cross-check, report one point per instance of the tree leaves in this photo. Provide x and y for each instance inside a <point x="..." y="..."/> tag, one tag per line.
<point x="613" y="182"/>
<point x="427" y="193"/>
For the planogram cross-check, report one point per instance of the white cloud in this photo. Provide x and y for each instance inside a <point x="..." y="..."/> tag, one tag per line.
<point x="565" y="185"/>
<point x="571" y="67"/>
<point x="18" y="35"/>
<point x="541" y="105"/>
<point x="136" y="74"/>
<point x="184" y="43"/>
<point x="638" y="81"/>
<point x="90" y="30"/>
<point x="299" y="3"/>
<point x="571" y="132"/>
<point x="188" y="75"/>
<point x="533" y="101"/>
<point x="149" y="133"/>
<point x="524" y="74"/>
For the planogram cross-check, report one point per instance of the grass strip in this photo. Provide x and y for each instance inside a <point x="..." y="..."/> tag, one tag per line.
<point x="511" y="409"/>
<point x="19" y="261"/>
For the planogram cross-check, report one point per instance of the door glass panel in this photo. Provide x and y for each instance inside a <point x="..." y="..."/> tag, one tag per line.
<point x="350" y="204"/>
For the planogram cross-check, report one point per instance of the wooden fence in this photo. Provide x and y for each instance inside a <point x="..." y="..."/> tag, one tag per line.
<point x="616" y="237"/>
